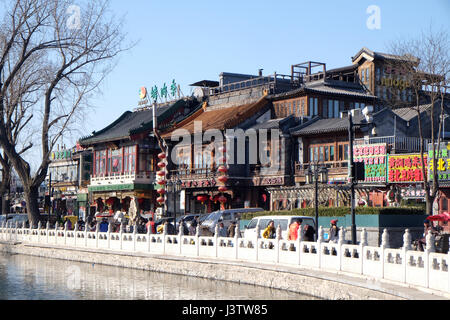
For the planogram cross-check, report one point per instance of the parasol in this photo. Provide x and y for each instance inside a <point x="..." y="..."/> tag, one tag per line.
<point x="444" y="216"/>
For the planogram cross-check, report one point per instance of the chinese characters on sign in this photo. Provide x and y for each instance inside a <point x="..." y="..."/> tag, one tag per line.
<point x="406" y="168"/>
<point x="443" y="162"/>
<point x="374" y="158"/>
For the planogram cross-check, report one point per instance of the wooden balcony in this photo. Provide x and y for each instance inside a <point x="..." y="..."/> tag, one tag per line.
<point x="337" y="170"/>
<point x="123" y="178"/>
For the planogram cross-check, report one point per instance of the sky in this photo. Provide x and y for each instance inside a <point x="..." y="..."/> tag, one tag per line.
<point x="195" y="40"/>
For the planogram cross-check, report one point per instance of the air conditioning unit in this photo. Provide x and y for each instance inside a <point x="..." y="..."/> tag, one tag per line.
<point x="355" y="112"/>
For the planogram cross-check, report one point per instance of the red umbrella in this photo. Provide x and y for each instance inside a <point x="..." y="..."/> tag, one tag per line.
<point x="444" y="216"/>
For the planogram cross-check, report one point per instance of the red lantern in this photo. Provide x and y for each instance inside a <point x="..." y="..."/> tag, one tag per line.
<point x="161" y="191"/>
<point x="161" y="200"/>
<point x="202" y="199"/>
<point x="162" y="155"/>
<point x="222" y="199"/>
<point x="223" y="179"/>
<point x="223" y="149"/>
<point x="161" y="165"/>
<point x="223" y="169"/>
<point x="140" y="201"/>
<point x="161" y="173"/>
<point x="162" y="182"/>
<point x="223" y="189"/>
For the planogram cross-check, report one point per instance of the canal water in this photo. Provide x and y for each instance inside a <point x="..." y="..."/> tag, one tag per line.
<point x="33" y="278"/>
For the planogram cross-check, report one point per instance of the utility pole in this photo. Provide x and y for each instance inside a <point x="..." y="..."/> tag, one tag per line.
<point x="351" y="167"/>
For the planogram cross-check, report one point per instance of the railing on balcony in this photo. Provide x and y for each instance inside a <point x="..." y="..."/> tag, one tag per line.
<point x="144" y="176"/>
<point x="192" y="173"/>
<point x="397" y="144"/>
<point x="336" y="167"/>
<point x="270" y="82"/>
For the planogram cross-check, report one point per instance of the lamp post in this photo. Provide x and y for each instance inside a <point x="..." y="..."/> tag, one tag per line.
<point x="317" y="173"/>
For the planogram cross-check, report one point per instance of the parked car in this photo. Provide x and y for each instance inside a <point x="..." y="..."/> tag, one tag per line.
<point x="283" y="221"/>
<point x="225" y="216"/>
<point x="16" y="217"/>
<point x="188" y="218"/>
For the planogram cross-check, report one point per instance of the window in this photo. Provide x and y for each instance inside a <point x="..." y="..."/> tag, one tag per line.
<point x="368" y="75"/>
<point x="129" y="159"/>
<point x="336" y="108"/>
<point x="356" y="105"/>
<point x="378" y="74"/>
<point x="252" y="224"/>
<point x="115" y="161"/>
<point x="316" y="154"/>
<point x="327" y="154"/>
<point x="324" y="108"/>
<point x="362" y="75"/>
<point x="100" y="162"/>
<point x="303" y="107"/>
<point x="316" y="106"/>
<point x="346" y="152"/>
<point x="331" y="153"/>
<point x="311" y="107"/>
<point x="363" y="105"/>
<point x="321" y="154"/>
<point x="330" y="108"/>
<point x="147" y="161"/>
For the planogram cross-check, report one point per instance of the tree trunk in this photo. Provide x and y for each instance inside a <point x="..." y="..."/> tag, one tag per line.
<point x="31" y="198"/>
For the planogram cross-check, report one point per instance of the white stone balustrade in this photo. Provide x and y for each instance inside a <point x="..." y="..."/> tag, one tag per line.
<point x="426" y="269"/>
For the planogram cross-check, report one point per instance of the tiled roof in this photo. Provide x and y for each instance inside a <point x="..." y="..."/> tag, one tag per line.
<point x="409" y="113"/>
<point x="331" y="87"/>
<point x="318" y="125"/>
<point x="130" y="123"/>
<point x="387" y="56"/>
<point x="220" y="119"/>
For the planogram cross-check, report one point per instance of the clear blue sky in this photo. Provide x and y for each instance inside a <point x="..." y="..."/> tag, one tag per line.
<point x="194" y="40"/>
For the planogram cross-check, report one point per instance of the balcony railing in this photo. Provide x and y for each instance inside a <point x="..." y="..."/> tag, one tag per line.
<point x="192" y="173"/>
<point x="120" y="178"/>
<point x="336" y="167"/>
<point x="397" y="144"/>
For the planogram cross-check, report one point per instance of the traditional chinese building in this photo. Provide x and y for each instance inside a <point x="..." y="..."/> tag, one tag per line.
<point x="125" y="156"/>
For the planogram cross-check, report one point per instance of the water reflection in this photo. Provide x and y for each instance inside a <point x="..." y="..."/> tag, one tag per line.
<point x="33" y="278"/>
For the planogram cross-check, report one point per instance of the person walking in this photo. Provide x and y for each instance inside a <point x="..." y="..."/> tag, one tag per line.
<point x="223" y="233"/>
<point x="151" y="224"/>
<point x="232" y="229"/>
<point x="333" y="234"/>
<point x="270" y="232"/>
<point x="293" y="229"/>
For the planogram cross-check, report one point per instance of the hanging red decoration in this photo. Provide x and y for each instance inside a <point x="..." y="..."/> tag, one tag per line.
<point x="223" y="179"/>
<point x="202" y="198"/>
<point x="223" y="189"/>
<point x="162" y="164"/>
<point x="223" y="199"/>
<point x="264" y="197"/>
<point x="160" y="199"/>
<point x="161" y="191"/>
<point x="162" y="182"/>
<point x="223" y="149"/>
<point x="162" y="155"/>
<point x="161" y="173"/>
<point x="223" y="169"/>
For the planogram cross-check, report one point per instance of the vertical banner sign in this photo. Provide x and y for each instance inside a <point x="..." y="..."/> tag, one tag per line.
<point x="405" y="168"/>
<point x="443" y="162"/>
<point x="374" y="157"/>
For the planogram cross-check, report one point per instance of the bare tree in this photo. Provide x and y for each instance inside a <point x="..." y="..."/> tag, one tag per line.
<point x="53" y="56"/>
<point x="426" y="67"/>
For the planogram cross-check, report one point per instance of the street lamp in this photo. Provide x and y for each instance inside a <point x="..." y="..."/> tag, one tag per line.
<point x="174" y="187"/>
<point x="317" y="173"/>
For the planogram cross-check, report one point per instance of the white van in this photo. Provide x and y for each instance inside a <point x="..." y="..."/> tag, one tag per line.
<point x="225" y="216"/>
<point x="283" y="221"/>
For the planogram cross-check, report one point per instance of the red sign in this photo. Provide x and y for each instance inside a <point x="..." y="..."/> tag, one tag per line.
<point x="406" y="168"/>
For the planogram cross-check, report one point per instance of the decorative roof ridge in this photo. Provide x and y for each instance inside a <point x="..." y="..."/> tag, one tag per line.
<point x="95" y="133"/>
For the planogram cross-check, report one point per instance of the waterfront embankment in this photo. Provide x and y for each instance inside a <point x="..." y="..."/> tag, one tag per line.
<point x="321" y="284"/>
